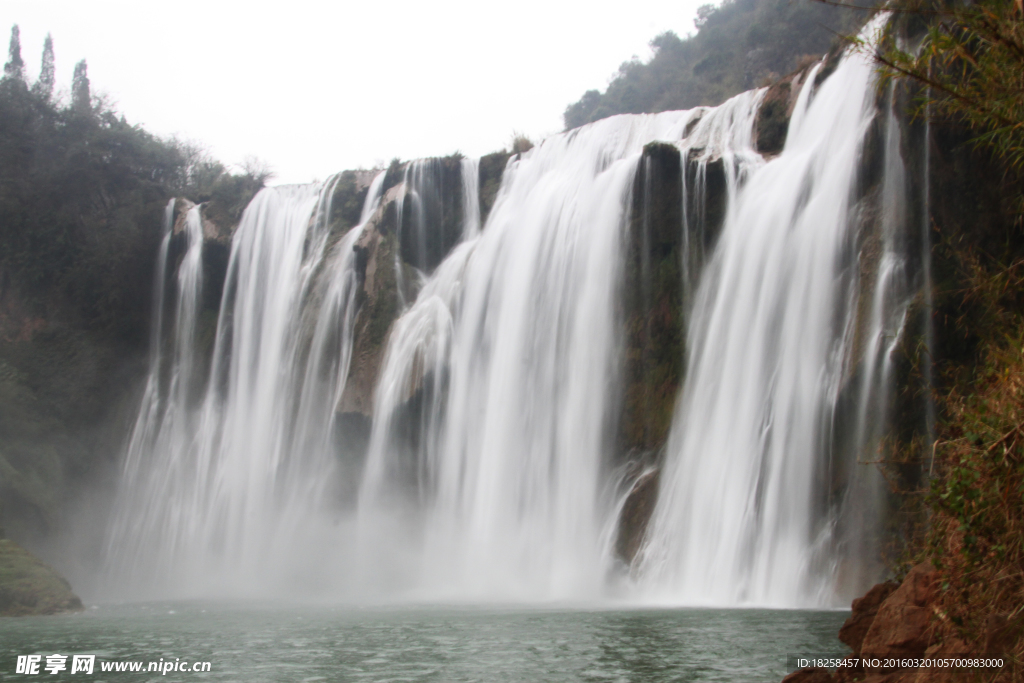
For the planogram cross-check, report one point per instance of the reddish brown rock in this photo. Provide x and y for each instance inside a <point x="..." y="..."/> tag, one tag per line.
<point x="901" y="627"/>
<point x="809" y="675"/>
<point x="864" y="610"/>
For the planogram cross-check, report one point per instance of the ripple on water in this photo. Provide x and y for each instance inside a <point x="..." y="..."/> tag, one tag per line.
<point x="287" y="644"/>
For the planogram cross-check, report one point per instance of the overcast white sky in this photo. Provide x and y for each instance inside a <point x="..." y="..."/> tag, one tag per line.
<point x="316" y="87"/>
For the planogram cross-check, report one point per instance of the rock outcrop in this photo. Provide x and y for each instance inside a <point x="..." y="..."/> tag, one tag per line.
<point x="902" y="623"/>
<point x="636" y="513"/>
<point x="379" y="303"/>
<point x="772" y="125"/>
<point x="30" y="587"/>
<point x="864" y="610"/>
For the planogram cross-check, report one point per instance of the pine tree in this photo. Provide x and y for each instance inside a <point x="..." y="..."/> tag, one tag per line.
<point x="81" y="100"/>
<point x="44" y="86"/>
<point x="15" y="66"/>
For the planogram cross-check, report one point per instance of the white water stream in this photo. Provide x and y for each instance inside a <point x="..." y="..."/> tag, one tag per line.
<point x="489" y="473"/>
<point x="742" y="515"/>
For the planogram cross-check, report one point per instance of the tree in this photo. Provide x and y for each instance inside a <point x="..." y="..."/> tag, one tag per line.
<point x="704" y="13"/>
<point x="81" y="99"/>
<point x="44" y="86"/>
<point x="15" y="66"/>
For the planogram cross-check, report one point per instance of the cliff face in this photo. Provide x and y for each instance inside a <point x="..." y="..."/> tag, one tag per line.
<point x="66" y="395"/>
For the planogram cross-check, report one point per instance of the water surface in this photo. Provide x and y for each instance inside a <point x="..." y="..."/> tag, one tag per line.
<point x="286" y="643"/>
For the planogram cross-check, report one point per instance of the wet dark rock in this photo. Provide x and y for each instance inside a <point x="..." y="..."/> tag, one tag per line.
<point x="652" y="302"/>
<point x="773" y="119"/>
<point x="347" y="199"/>
<point x="432" y="223"/>
<point x="636" y="514"/>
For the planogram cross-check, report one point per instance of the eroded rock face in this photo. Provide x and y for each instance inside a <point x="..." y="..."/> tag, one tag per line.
<point x="30" y="587"/>
<point x="214" y="231"/>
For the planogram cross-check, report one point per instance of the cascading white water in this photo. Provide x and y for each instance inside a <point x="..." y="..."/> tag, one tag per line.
<point x="159" y="424"/>
<point x="739" y="517"/>
<point x="515" y="335"/>
<point x="724" y="133"/>
<point x="471" y="197"/>
<point x="215" y="487"/>
<point x="490" y="466"/>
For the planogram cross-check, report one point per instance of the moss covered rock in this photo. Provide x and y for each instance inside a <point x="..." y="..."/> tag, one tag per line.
<point x="30" y="587"/>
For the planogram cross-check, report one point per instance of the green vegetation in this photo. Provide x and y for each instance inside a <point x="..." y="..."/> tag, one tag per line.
<point x="739" y="45"/>
<point x="82" y="195"/>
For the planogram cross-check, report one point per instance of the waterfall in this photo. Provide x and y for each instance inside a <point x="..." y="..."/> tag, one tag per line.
<point x="513" y="343"/>
<point x="493" y="468"/>
<point x="742" y="513"/>
<point x="222" y="475"/>
<point x="471" y="197"/>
